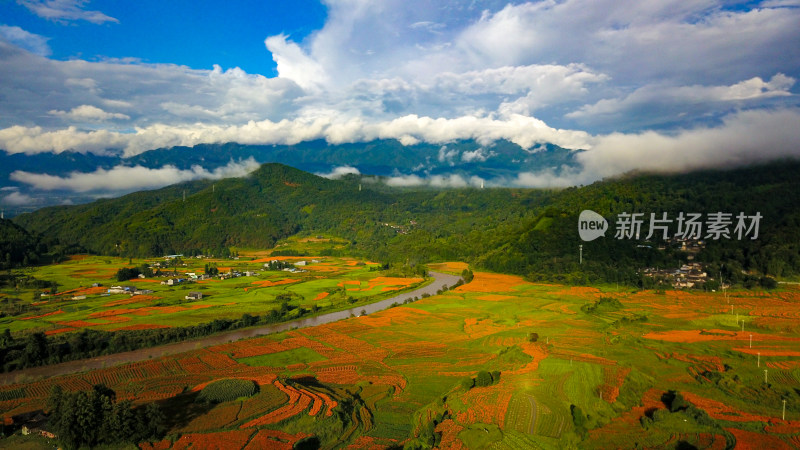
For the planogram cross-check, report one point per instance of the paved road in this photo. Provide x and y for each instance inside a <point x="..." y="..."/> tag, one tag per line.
<point x="440" y="279"/>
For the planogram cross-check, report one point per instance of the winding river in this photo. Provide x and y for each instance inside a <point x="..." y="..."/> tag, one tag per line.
<point x="81" y="365"/>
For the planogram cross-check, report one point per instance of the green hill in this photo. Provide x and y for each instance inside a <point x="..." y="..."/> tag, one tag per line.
<point x="523" y="231"/>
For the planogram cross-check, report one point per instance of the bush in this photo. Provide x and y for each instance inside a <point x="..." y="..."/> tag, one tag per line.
<point x="675" y="401"/>
<point x="127" y="273"/>
<point x="484" y="378"/>
<point x="580" y="420"/>
<point x="307" y="443"/>
<point x="227" y="389"/>
<point x="467" y="275"/>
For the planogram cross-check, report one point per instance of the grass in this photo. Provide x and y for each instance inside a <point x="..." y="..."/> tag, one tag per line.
<point x="228" y="389"/>
<point x="479" y="435"/>
<point x="285" y="358"/>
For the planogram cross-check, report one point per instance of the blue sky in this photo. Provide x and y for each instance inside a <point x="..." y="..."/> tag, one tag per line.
<point x="660" y="85"/>
<point x="197" y="33"/>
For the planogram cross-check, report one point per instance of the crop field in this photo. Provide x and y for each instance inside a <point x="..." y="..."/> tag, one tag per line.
<point x="569" y="367"/>
<point x="324" y="283"/>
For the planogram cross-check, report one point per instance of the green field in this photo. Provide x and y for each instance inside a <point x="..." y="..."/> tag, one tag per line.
<point x="329" y="284"/>
<point x="568" y="375"/>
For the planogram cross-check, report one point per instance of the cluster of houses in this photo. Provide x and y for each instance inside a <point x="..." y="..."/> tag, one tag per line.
<point x="689" y="275"/>
<point x="132" y="290"/>
<point x="686" y="277"/>
<point x="296" y="265"/>
<point x="191" y="277"/>
<point x="401" y="229"/>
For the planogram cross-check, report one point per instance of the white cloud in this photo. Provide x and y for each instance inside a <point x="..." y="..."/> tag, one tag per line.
<point x="65" y="11"/>
<point x="29" y="41"/>
<point x="405" y="181"/>
<point x="430" y="27"/>
<point x="779" y="3"/>
<point x="685" y="40"/>
<point x="88" y="113"/>
<point x="477" y="155"/>
<point x="437" y="181"/>
<point x="447" y="156"/>
<point x="745" y="137"/>
<point x="294" y="64"/>
<point x="449" y="181"/>
<point x="550" y="178"/>
<point x="16" y="199"/>
<point x="147" y="93"/>
<point x="19" y="139"/>
<point x="590" y="74"/>
<point x="127" y="178"/>
<point x="752" y="89"/>
<point x="523" y="130"/>
<point x="339" y="172"/>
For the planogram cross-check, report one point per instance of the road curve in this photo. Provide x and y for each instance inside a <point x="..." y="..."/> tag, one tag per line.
<point x="82" y="365"/>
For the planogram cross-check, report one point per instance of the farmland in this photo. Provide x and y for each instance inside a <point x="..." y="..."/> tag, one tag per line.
<point x="326" y="284"/>
<point x="572" y="366"/>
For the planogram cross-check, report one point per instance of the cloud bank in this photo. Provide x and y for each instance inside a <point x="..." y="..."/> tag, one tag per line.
<point x="662" y="86"/>
<point x="128" y="179"/>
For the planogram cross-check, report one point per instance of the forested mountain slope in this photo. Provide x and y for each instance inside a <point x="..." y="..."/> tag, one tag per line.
<point x="530" y="232"/>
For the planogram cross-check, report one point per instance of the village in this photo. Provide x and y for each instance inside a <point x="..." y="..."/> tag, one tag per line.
<point x="173" y="277"/>
<point x="691" y="275"/>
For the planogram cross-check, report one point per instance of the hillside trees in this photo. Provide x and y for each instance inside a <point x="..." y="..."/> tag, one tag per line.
<point x="93" y="418"/>
<point x="520" y="231"/>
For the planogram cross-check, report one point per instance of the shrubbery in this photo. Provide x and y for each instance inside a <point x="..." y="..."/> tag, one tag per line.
<point x="227" y="389"/>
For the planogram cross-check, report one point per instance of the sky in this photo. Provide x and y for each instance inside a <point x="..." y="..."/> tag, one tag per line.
<point x="658" y="85"/>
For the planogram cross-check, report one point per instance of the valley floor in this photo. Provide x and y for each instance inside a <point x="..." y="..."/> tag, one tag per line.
<point x="588" y="367"/>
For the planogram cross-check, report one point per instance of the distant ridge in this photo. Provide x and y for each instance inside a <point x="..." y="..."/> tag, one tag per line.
<point x="498" y="160"/>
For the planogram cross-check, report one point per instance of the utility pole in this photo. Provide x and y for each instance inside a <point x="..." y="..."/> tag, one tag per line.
<point x="751" y="336"/>
<point x="751" y="340"/>
<point x="580" y="250"/>
<point x="765" y="375"/>
<point x="758" y="361"/>
<point x="783" y="416"/>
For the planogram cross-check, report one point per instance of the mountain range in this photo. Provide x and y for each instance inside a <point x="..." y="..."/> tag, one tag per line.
<point x="500" y="160"/>
<point x="531" y="232"/>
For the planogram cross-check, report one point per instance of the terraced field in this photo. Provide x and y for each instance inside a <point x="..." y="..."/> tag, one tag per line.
<point x="562" y="374"/>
